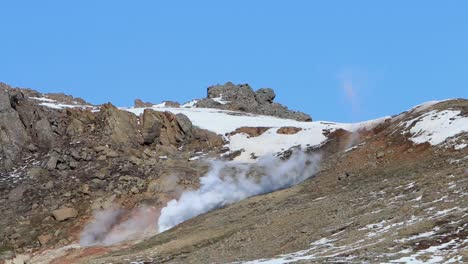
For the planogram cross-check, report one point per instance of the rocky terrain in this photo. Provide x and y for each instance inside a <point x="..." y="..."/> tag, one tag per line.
<point x="393" y="190"/>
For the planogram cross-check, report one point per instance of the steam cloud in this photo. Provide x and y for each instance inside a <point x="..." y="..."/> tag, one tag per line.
<point x="225" y="183"/>
<point x="229" y="182"/>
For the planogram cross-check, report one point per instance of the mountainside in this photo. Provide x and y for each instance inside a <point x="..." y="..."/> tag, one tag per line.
<point x="230" y="178"/>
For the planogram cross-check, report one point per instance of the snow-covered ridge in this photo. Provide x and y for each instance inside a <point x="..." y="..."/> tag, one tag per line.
<point x="47" y="102"/>
<point x="435" y="127"/>
<point x="224" y="122"/>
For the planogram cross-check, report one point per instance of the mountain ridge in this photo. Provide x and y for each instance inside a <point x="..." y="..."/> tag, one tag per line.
<point x="64" y="158"/>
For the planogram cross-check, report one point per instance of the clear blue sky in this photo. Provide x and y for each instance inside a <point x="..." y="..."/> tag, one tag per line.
<point x="393" y="54"/>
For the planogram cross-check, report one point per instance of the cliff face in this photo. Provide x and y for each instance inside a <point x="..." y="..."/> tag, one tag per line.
<point x="382" y="190"/>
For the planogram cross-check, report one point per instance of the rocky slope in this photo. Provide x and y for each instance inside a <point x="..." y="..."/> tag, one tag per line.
<point x="389" y="190"/>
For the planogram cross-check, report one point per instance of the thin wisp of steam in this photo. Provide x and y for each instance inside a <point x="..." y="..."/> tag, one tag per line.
<point x="115" y="225"/>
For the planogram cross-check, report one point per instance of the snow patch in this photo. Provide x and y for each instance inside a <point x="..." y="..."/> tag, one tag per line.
<point x="436" y="126"/>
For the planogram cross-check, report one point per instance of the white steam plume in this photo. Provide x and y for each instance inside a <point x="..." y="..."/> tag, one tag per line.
<point x="225" y="183"/>
<point x="229" y="182"/>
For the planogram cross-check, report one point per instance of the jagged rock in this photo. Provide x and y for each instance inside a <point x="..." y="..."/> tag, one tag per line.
<point x="43" y="239"/>
<point x="44" y="133"/>
<point x="62" y="166"/>
<point x="73" y="164"/>
<point x="265" y="96"/>
<point x="13" y="135"/>
<point x="151" y="126"/>
<point x="52" y="163"/>
<point x="164" y="127"/>
<point x="242" y="98"/>
<point x="138" y="103"/>
<point x="184" y="123"/>
<point x="75" y="128"/>
<point x="209" y="103"/>
<point x="120" y="126"/>
<point x="65" y="213"/>
<point x="75" y="154"/>
<point x="203" y="139"/>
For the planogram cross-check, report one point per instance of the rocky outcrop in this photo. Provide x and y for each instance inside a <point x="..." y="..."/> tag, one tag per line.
<point x="138" y="103"/>
<point x="120" y="126"/>
<point x="165" y="128"/>
<point x="13" y="136"/>
<point x="243" y="98"/>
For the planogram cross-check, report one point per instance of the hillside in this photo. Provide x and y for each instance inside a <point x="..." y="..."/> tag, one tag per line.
<point x="230" y="178"/>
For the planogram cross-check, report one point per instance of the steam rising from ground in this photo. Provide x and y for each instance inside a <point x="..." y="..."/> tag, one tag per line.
<point x="116" y="225"/>
<point x="229" y="182"/>
<point x="225" y="183"/>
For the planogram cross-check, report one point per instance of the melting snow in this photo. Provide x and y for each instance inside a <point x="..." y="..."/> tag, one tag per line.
<point x="47" y="102"/>
<point x="223" y="122"/>
<point x="436" y="126"/>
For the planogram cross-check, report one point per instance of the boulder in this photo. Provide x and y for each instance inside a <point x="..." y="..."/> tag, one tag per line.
<point x="165" y="128"/>
<point x="75" y="128"/>
<point x="44" y="133"/>
<point x="138" y="103"/>
<point x="184" y="123"/>
<point x="288" y="130"/>
<point x="43" y="239"/>
<point x="65" y="213"/>
<point x="265" y="96"/>
<point x="151" y="126"/>
<point x="52" y="163"/>
<point x="120" y="126"/>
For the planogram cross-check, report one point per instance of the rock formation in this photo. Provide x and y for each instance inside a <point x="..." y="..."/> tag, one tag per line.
<point x="242" y="98"/>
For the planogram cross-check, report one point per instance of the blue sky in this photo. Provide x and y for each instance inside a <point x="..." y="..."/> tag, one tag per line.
<point x="336" y="60"/>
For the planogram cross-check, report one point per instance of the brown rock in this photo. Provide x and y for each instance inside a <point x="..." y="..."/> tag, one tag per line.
<point x="380" y="154"/>
<point x="75" y="128"/>
<point x="165" y="128"/>
<point x="138" y="103"/>
<point x="43" y="239"/>
<point x="288" y="130"/>
<point x="65" y="213"/>
<point x="251" y="131"/>
<point x="120" y="126"/>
